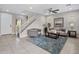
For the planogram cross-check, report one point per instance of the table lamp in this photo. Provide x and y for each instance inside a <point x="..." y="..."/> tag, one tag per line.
<point x="72" y="26"/>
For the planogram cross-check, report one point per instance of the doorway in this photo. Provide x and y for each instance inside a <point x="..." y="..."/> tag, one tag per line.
<point x="6" y="23"/>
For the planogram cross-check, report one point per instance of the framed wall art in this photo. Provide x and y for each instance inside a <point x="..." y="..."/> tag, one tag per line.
<point x="59" y="22"/>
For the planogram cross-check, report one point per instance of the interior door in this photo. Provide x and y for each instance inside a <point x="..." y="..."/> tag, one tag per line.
<point x="6" y="23"/>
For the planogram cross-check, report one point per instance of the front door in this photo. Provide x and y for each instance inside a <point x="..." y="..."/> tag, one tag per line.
<point x="6" y="23"/>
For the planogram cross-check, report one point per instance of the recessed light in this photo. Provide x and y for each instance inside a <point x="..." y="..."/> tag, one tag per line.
<point x="30" y="7"/>
<point x="23" y="13"/>
<point x="7" y="10"/>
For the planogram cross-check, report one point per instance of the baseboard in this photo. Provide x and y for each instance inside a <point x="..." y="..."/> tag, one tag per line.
<point x="7" y="34"/>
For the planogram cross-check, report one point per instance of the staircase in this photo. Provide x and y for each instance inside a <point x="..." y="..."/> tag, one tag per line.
<point x="25" y="25"/>
<point x="28" y="23"/>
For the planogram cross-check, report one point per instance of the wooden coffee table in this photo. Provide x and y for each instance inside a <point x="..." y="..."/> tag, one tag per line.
<point x="53" y="35"/>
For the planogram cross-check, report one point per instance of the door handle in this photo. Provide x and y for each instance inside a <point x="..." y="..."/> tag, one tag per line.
<point x="10" y="25"/>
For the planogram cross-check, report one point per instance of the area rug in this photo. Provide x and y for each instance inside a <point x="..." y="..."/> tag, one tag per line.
<point x="51" y="45"/>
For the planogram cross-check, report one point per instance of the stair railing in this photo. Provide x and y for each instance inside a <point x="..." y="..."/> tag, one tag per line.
<point x="29" y="22"/>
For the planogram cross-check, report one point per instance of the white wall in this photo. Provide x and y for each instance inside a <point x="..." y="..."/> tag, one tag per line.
<point x="37" y="24"/>
<point x="68" y="17"/>
<point x="0" y="24"/>
<point x="14" y="24"/>
<point x="50" y="20"/>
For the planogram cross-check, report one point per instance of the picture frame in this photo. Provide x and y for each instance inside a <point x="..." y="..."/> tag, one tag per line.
<point x="59" y="22"/>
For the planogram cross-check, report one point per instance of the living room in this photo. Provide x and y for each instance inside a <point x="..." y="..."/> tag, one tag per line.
<point x="52" y="28"/>
<point x="68" y="24"/>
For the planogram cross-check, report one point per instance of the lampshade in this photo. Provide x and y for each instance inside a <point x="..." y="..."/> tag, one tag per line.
<point x="72" y="25"/>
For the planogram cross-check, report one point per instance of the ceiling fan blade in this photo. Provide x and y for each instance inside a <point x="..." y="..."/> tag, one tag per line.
<point x="53" y="11"/>
<point x="56" y="10"/>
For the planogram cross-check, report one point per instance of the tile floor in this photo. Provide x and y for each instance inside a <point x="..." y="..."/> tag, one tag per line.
<point x="10" y="45"/>
<point x="71" y="46"/>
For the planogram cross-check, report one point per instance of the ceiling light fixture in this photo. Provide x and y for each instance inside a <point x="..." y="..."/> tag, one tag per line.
<point x="7" y="10"/>
<point x="30" y="7"/>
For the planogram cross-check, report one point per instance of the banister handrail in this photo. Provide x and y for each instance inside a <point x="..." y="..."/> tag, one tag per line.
<point x="30" y="22"/>
<point x="26" y="22"/>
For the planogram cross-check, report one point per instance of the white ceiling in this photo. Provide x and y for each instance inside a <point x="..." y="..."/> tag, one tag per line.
<point x="37" y="8"/>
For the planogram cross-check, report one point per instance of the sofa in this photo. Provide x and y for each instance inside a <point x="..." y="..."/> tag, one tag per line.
<point x="55" y="33"/>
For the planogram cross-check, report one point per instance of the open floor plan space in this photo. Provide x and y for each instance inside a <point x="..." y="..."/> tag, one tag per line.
<point x="39" y="28"/>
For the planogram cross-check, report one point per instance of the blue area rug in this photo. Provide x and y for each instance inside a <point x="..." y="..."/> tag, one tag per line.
<point x="51" y="45"/>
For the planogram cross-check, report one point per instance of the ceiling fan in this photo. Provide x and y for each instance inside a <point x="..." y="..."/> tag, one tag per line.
<point x="50" y="10"/>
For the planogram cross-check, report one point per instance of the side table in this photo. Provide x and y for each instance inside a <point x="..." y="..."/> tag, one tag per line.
<point x="72" y="33"/>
